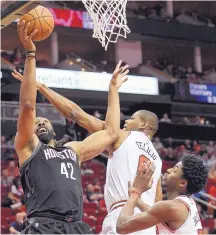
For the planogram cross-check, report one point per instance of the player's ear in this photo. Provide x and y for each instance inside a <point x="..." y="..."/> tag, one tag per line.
<point x="144" y="124"/>
<point x="183" y="184"/>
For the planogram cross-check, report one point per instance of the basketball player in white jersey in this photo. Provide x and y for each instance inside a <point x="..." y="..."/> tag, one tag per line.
<point x="178" y="214"/>
<point x="132" y="149"/>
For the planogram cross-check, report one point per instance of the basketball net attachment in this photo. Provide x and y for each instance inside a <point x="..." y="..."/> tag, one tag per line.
<point x="109" y="19"/>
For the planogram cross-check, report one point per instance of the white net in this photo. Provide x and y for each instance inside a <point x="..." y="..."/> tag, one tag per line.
<point x="109" y="19"/>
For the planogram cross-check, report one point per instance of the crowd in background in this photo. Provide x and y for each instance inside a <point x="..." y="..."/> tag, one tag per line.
<point x="181" y="73"/>
<point x="176" y="71"/>
<point x="159" y="12"/>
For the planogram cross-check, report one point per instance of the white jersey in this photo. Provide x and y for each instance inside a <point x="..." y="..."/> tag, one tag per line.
<point x="192" y="223"/>
<point x="122" y="167"/>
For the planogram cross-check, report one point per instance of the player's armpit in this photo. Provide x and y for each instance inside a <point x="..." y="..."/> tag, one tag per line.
<point x="25" y="147"/>
<point x="161" y="212"/>
<point x="93" y="145"/>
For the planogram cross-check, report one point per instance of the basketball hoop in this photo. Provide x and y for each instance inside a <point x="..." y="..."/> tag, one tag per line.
<point x="109" y="19"/>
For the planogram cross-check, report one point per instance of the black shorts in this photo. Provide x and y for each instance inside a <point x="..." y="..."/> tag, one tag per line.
<point x="42" y="225"/>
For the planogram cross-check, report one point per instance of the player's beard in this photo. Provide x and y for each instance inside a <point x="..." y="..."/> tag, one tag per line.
<point x="46" y="137"/>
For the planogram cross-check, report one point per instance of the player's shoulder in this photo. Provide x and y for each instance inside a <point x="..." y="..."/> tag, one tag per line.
<point x="165" y="209"/>
<point x="178" y="207"/>
<point x="169" y="205"/>
<point x="123" y="135"/>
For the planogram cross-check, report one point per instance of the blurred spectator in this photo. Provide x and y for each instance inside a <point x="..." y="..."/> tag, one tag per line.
<point x="186" y="121"/>
<point x="12" y="170"/>
<point x="3" y="144"/>
<point x="17" y="57"/>
<point x="14" y="198"/>
<point x="212" y="173"/>
<point x="170" y="155"/>
<point x="196" y="146"/>
<point x="16" y="226"/>
<point x="85" y="199"/>
<point x="203" y="149"/>
<point x="16" y="188"/>
<point x="10" y="142"/>
<point x="85" y="170"/>
<point x="5" y="180"/>
<point x="92" y="195"/>
<point x="211" y="148"/>
<point x="188" y="144"/>
<point x="165" y="118"/>
<point x="197" y="120"/>
<point x="169" y="143"/>
<point x="157" y="144"/>
<point x="206" y="159"/>
<point x="97" y="114"/>
<point x="153" y="14"/>
<point x="96" y="185"/>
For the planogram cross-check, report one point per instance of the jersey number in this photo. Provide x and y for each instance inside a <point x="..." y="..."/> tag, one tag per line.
<point x="67" y="170"/>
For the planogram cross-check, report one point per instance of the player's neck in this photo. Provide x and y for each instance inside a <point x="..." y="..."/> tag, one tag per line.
<point x="52" y="143"/>
<point x="172" y="195"/>
<point x="148" y="134"/>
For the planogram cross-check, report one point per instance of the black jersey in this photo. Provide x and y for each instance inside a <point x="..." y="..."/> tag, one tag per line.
<point x="51" y="180"/>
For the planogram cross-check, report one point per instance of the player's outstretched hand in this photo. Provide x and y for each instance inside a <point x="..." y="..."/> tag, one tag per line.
<point x="19" y="77"/>
<point x="119" y="75"/>
<point x="143" y="180"/>
<point x="22" y="29"/>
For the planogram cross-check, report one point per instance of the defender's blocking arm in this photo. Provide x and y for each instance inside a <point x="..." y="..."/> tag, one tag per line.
<point x="68" y="108"/>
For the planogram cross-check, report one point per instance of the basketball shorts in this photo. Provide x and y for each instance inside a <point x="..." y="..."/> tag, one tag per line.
<point x="110" y="221"/>
<point x="42" y="225"/>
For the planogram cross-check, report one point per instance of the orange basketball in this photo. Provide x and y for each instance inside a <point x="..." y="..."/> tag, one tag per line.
<point x="40" y="18"/>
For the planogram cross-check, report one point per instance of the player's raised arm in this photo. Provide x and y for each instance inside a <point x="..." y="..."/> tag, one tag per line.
<point x="99" y="141"/>
<point x="25" y="125"/>
<point x="68" y="108"/>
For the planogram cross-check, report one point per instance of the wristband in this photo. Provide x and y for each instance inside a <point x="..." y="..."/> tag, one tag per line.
<point x="136" y="192"/>
<point x="30" y="56"/>
<point x="30" y="52"/>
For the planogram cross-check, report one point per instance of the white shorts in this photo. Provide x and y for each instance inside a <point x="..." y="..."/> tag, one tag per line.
<point x="110" y="221"/>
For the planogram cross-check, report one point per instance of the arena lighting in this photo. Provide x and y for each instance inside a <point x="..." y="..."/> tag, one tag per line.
<point x="78" y="60"/>
<point x="79" y="80"/>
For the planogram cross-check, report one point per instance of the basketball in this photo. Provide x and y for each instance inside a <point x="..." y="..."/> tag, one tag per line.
<point x="40" y="18"/>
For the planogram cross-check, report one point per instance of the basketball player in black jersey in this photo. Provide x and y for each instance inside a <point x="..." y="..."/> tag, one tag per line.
<point x="50" y="175"/>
